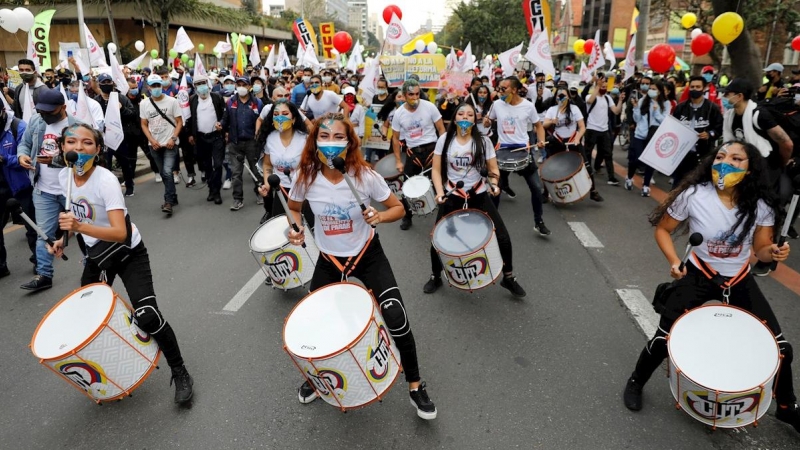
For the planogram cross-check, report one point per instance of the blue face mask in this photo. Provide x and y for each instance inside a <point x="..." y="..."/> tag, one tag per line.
<point x="652" y="93"/>
<point x="504" y="97"/>
<point x="83" y="164"/>
<point x="464" y="126"/>
<point x="281" y="122"/>
<point x="326" y="151"/>
<point x="156" y="92"/>
<point x="708" y="77"/>
<point x="229" y="88"/>
<point x="726" y="104"/>
<point x="73" y="97"/>
<point x="615" y="91"/>
<point x="86" y="78"/>
<point x="282" y="100"/>
<point x="725" y="175"/>
<point x="134" y="92"/>
<point x="203" y="89"/>
<point x="481" y="98"/>
<point x="399" y="104"/>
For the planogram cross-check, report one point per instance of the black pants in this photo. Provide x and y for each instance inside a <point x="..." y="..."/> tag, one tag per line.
<point x="25" y="198"/>
<point x="635" y="150"/>
<point x="124" y="160"/>
<point x="482" y="202"/>
<point x="138" y="280"/>
<point x="140" y="141"/>
<point x="419" y="161"/>
<point x="686" y="166"/>
<point x="531" y="176"/>
<point x="604" y="141"/>
<point x="376" y="274"/>
<point x="210" y="153"/>
<point x="692" y="291"/>
<point x="188" y="153"/>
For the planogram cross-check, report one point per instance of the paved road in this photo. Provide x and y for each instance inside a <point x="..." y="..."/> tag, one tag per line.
<point x="546" y="371"/>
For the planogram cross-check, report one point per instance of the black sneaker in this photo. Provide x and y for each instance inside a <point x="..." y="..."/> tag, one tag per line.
<point x="210" y="198"/>
<point x="761" y="269"/>
<point x="264" y="218"/>
<point x="511" y="284"/>
<point x="420" y="400"/>
<point x="790" y="415"/>
<point x="613" y="182"/>
<point x="510" y="192"/>
<point x="306" y="394"/>
<point x="4" y="272"/>
<point x="633" y="395"/>
<point x="432" y="285"/>
<point x="541" y="228"/>
<point x="183" y="384"/>
<point x="268" y="281"/>
<point x="406" y="223"/>
<point x="128" y="192"/>
<point x="217" y="199"/>
<point x="594" y="195"/>
<point x="38" y="283"/>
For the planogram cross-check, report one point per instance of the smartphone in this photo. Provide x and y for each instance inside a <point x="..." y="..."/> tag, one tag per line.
<point x="69" y="53"/>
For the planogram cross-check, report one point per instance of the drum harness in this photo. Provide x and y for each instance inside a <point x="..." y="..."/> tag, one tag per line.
<point x="725" y="283"/>
<point x="350" y="265"/>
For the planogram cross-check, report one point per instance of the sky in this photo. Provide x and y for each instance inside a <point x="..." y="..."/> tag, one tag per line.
<point x="413" y="16"/>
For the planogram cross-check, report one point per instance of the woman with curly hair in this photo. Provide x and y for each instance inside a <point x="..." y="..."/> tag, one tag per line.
<point x="727" y="200"/>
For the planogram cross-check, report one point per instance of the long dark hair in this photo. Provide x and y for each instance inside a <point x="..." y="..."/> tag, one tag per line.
<point x="389" y="106"/>
<point x="298" y="123"/>
<point x="645" y="106"/>
<point x="487" y="104"/>
<point x="748" y="192"/>
<point x="478" y="150"/>
<point x="568" y="111"/>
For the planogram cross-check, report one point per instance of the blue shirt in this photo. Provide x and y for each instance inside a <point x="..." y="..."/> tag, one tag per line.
<point x="644" y="121"/>
<point x="299" y="93"/>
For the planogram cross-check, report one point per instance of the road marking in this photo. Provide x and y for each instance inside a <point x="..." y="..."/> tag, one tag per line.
<point x="585" y="235"/>
<point x="640" y="309"/>
<point x="245" y="292"/>
<point x="12" y="228"/>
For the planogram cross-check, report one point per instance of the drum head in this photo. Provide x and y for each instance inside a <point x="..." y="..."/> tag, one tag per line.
<point x="387" y="166"/>
<point x="328" y="320"/>
<point x="271" y="235"/>
<point x="416" y="186"/>
<point x="509" y="155"/>
<point x="723" y="348"/>
<point x="462" y="232"/>
<point x="561" y="166"/>
<point x="73" y="321"/>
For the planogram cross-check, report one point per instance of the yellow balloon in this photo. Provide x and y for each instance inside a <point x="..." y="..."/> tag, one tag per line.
<point x="727" y="27"/>
<point x="688" y="20"/>
<point x="578" y="46"/>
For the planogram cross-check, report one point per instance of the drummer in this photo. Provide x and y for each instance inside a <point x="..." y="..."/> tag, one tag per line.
<point x="418" y="123"/>
<point x="513" y="115"/>
<point x="347" y="243"/>
<point x="468" y="153"/>
<point x="100" y="216"/>
<point x="569" y="128"/>
<point x="726" y="201"/>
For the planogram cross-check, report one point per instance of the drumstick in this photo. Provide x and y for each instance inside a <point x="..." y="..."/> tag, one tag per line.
<point x="247" y="166"/>
<point x="274" y="182"/>
<point x="787" y="222"/>
<point x="485" y="175"/>
<point x="72" y="158"/>
<point x="338" y="163"/>
<point x="13" y="205"/>
<point x="694" y="240"/>
<point x="527" y="147"/>
<point x="459" y="185"/>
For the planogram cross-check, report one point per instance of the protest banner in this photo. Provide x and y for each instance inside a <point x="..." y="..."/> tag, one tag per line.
<point x="669" y="146"/>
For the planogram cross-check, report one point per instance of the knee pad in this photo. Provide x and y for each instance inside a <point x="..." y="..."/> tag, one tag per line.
<point x="149" y="319"/>
<point x="658" y="345"/>
<point x="394" y="313"/>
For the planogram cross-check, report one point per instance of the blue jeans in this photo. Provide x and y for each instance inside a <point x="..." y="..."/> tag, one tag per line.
<point x="165" y="160"/>
<point x="47" y="206"/>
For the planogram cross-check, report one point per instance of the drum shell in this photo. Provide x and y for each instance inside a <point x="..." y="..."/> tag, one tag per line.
<point x="421" y="203"/>
<point x="387" y="168"/>
<point x="113" y="361"/>
<point x="288" y="266"/>
<point x="566" y="187"/>
<point x="476" y="269"/>
<point x="733" y="409"/>
<point x="512" y="161"/>
<point x="359" y="374"/>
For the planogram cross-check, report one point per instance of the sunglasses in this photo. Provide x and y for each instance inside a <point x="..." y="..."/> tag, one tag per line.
<point x="502" y="89"/>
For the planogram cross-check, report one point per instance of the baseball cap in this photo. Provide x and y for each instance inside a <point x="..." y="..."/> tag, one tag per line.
<point x="104" y="77"/>
<point x="740" y="86"/>
<point x="62" y="72"/>
<point x="228" y="78"/>
<point x="348" y="90"/>
<point x="777" y="67"/>
<point x="154" y="79"/>
<point x="49" y="100"/>
<point x="707" y="69"/>
<point x="244" y="80"/>
<point x="200" y="79"/>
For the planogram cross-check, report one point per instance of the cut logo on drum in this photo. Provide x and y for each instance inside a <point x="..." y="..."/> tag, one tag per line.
<point x="378" y="358"/>
<point x="563" y="190"/>
<point x="737" y="408"/>
<point x="469" y="271"/>
<point x="667" y="145"/>
<point x="282" y="265"/>
<point x="418" y="204"/>
<point x="87" y="375"/>
<point x="140" y="336"/>
<point x="328" y="377"/>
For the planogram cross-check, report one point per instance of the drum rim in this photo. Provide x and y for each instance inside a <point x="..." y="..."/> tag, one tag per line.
<point x="724" y="305"/>
<point x="349" y="345"/>
<point x="541" y="170"/>
<point x="391" y="177"/>
<point x="249" y="241"/>
<point x="458" y="255"/>
<point x="86" y="341"/>
<point x="406" y="183"/>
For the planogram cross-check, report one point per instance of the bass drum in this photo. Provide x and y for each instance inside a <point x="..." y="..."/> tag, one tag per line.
<point x="387" y="168"/>
<point x="566" y="178"/>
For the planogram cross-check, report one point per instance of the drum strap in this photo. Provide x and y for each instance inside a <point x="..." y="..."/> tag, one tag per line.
<point x="349" y="265"/>
<point x="723" y="282"/>
<point x="466" y="195"/>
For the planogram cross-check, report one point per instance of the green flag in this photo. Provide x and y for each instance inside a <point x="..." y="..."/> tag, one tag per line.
<point x="41" y="34"/>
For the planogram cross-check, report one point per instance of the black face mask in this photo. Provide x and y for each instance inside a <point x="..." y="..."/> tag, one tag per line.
<point x="66" y="81"/>
<point x="107" y="88"/>
<point x="695" y="94"/>
<point x="50" y="119"/>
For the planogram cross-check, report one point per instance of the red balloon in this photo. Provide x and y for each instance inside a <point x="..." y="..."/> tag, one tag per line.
<point x="703" y="44"/>
<point x="342" y="41"/>
<point x="661" y="58"/>
<point x="460" y="53"/>
<point x="387" y="13"/>
<point x="588" y="46"/>
<point x="796" y="44"/>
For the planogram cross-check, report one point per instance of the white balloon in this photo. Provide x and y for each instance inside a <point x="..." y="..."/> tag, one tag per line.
<point x="139" y="46"/>
<point x="432" y="46"/>
<point x="112" y="47"/>
<point x="242" y="38"/>
<point x="696" y="32"/>
<point x="8" y="20"/>
<point x="419" y="46"/>
<point x="24" y="18"/>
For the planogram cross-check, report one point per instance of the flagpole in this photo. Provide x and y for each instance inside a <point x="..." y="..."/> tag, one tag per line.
<point x="81" y="33"/>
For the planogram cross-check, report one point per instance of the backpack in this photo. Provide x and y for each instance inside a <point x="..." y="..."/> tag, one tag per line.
<point x="786" y="114"/>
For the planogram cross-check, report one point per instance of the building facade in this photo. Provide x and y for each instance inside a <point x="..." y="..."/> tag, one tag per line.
<point x="358" y="17"/>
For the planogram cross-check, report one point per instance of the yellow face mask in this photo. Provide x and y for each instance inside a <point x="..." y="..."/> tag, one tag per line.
<point x="725" y="175"/>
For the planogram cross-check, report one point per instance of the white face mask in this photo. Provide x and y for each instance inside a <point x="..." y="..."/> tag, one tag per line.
<point x="242" y="91"/>
<point x="326" y="79"/>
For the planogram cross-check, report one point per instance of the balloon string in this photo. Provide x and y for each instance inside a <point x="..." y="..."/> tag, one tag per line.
<point x="20" y="43"/>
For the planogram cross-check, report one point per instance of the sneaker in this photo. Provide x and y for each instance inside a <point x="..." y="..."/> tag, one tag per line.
<point x="183" y="384"/>
<point x="432" y="285"/>
<point x="226" y="185"/>
<point x="792" y="234"/>
<point x="38" y="283"/>
<point x="761" y="269"/>
<point x="645" y="191"/>
<point x="594" y="195"/>
<point x="237" y="205"/>
<point x="306" y="394"/>
<point x="4" y="272"/>
<point x="511" y="284"/>
<point x="158" y="178"/>
<point x="628" y="184"/>
<point x="420" y="400"/>
<point x="264" y="218"/>
<point x="405" y="223"/>
<point x="541" y="228"/>
<point x="790" y="415"/>
<point x="510" y="192"/>
<point x="122" y="184"/>
<point x="268" y="281"/>
<point x="259" y="200"/>
<point x="129" y="192"/>
<point x="613" y="182"/>
<point x="166" y="208"/>
<point x="190" y="182"/>
<point x="217" y="199"/>
<point x="176" y="178"/>
<point x="210" y="198"/>
<point x="633" y="395"/>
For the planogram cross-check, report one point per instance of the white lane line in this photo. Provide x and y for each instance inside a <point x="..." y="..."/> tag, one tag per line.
<point x="585" y="235"/>
<point x="245" y="292"/>
<point x="640" y="309"/>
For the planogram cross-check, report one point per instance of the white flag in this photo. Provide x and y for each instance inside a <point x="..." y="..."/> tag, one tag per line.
<point x="116" y="74"/>
<point x="310" y="58"/>
<point x="283" y="59"/>
<point x="96" y="56"/>
<point x="82" y="112"/>
<point x="508" y="60"/>
<point x="596" y="60"/>
<point x="63" y="92"/>
<point x="608" y="51"/>
<point x="113" y="122"/>
<point x="629" y="66"/>
<point x="351" y="64"/>
<point x="396" y="33"/>
<point x="466" y="62"/>
<point x="356" y="54"/>
<point x="270" y="62"/>
<point x="27" y="106"/>
<point x="368" y="86"/>
<point x="669" y="145"/>
<point x="183" y="99"/>
<point x="182" y="42"/>
<point x="31" y="53"/>
<point x="539" y="54"/>
<point x="299" y="56"/>
<point x="451" y="61"/>
<point x="199" y="68"/>
<point x="136" y="63"/>
<point x="255" y="58"/>
<point x="585" y="73"/>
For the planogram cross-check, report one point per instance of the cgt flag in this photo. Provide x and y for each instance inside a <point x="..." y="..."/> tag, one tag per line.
<point x="326" y="32"/>
<point x="537" y="15"/>
<point x="396" y="33"/>
<point x="41" y="37"/>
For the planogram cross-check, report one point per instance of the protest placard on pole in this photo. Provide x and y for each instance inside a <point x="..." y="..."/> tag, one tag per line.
<point x="669" y="146"/>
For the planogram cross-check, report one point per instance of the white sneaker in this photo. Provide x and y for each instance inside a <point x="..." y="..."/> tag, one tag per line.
<point x="226" y="184"/>
<point x="645" y="191"/>
<point x="158" y="178"/>
<point x="628" y="184"/>
<point x="176" y="177"/>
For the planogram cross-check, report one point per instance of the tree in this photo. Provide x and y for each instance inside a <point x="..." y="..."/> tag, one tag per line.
<point x="492" y="26"/>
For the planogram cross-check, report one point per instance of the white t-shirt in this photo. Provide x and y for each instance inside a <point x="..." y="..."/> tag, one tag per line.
<point x="92" y="201"/>
<point x="357" y="119"/>
<point x="598" y="116"/>
<point x="709" y="217"/>
<point x="266" y="113"/>
<point x="48" y="176"/>
<point x="206" y="115"/>
<point x="327" y="103"/>
<point x="340" y="227"/>
<point x="513" y="121"/>
<point x="282" y="156"/>
<point x="161" y="130"/>
<point x="417" y="127"/>
<point x="460" y="159"/>
<point x="563" y="130"/>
